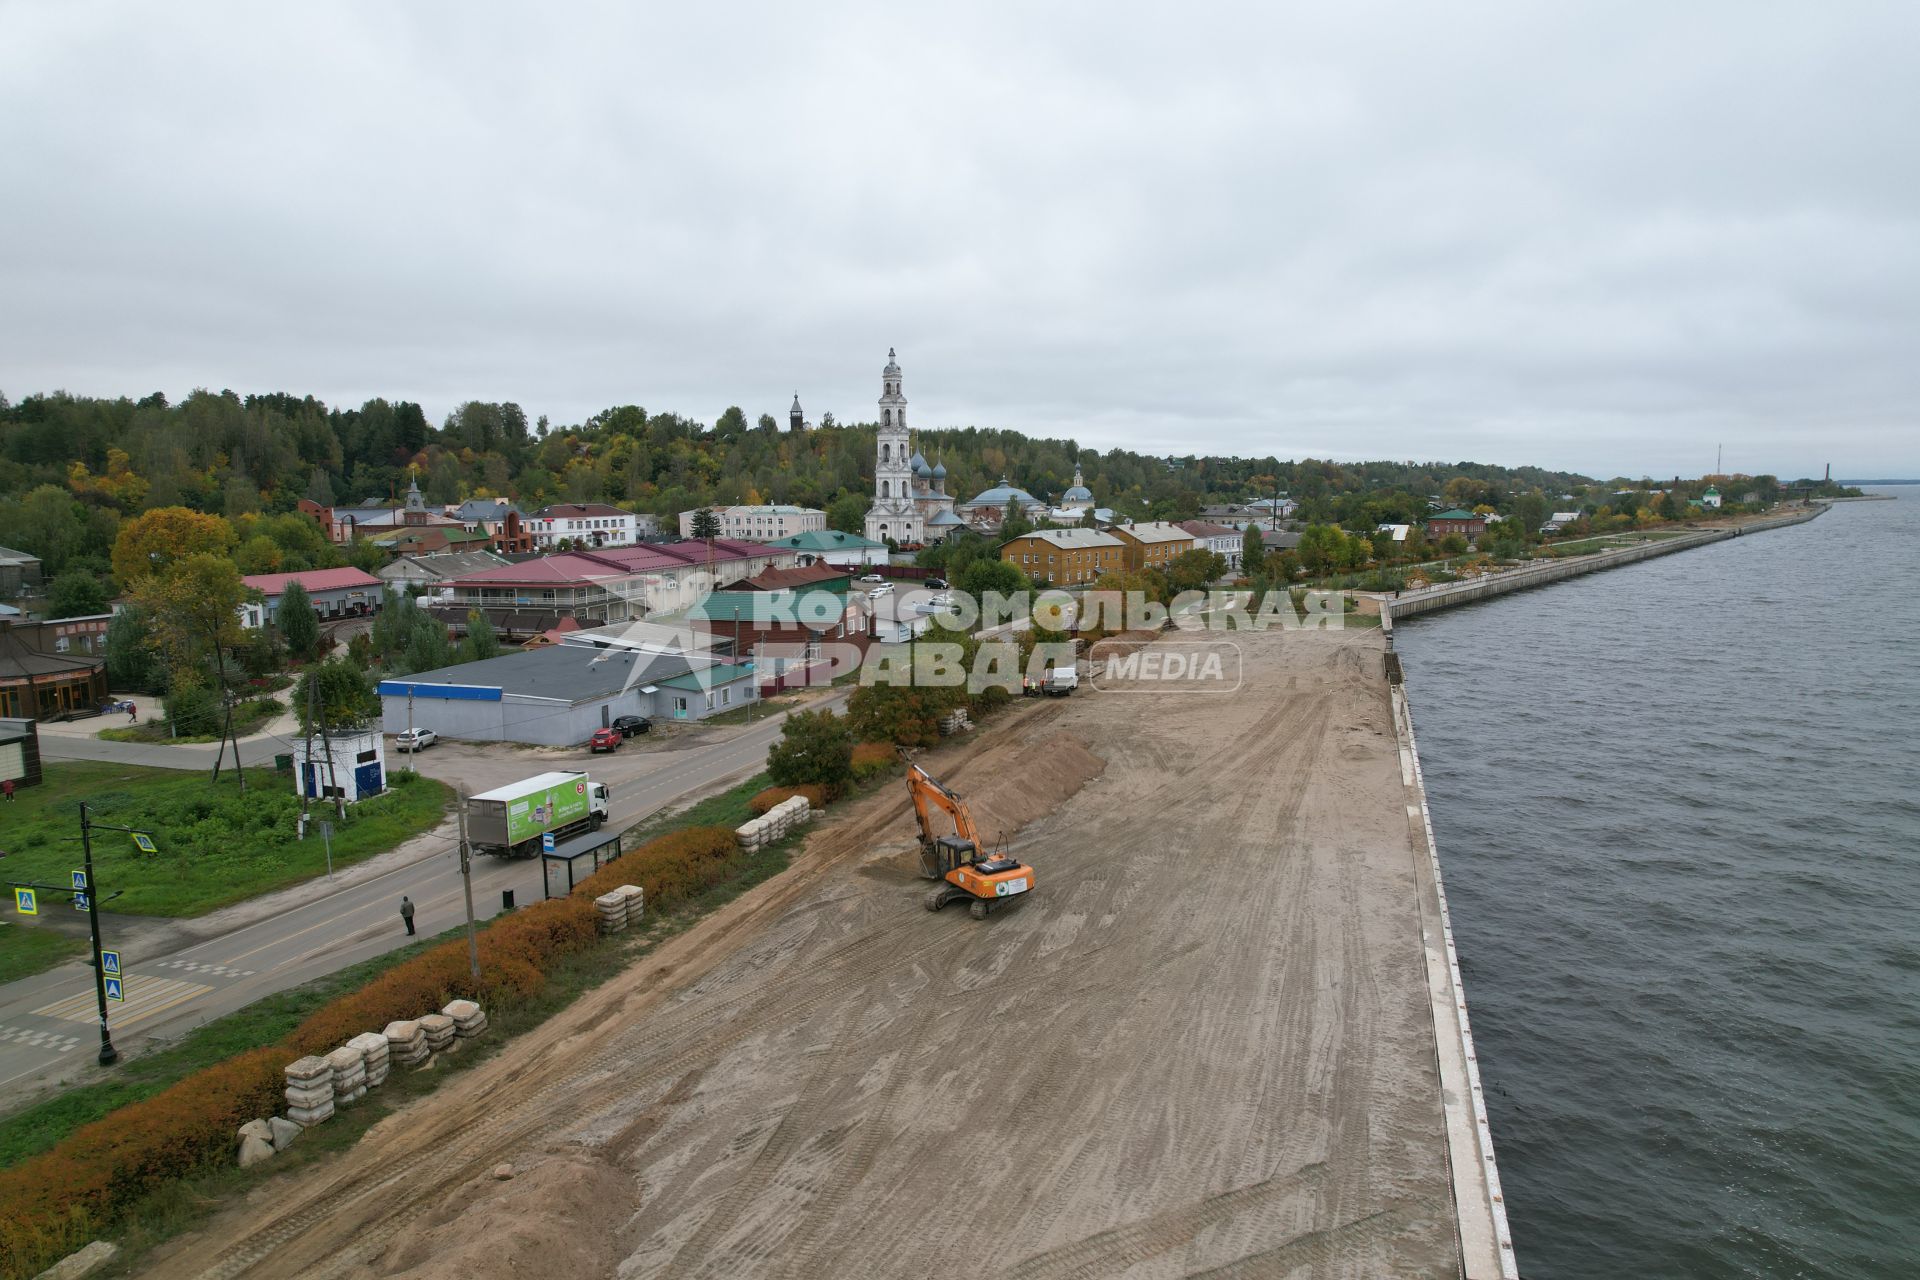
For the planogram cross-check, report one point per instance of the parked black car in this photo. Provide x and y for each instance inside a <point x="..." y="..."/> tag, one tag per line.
<point x="630" y="725"/>
<point x="938" y="584"/>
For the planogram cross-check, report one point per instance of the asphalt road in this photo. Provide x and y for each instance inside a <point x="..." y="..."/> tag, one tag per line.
<point x="174" y="980"/>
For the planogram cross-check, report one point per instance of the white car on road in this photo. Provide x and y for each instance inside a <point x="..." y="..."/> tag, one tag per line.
<point x="414" y="739"/>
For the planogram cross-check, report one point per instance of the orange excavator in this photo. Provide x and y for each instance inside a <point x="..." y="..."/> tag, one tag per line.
<point x="959" y="860"/>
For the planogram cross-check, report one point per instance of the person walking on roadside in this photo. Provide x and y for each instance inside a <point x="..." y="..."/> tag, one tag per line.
<point x="7" y="787"/>
<point x="133" y="713"/>
<point x="406" y="912"/>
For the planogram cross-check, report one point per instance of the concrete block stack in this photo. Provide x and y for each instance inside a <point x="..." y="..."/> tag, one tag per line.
<point x="469" y="1019"/>
<point x="349" y="1066"/>
<point x="309" y="1091"/>
<point x="439" y="1029"/>
<point x="406" y="1044"/>
<point x="611" y="908"/>
<point x="956" y="721"/>
<point x="636" y="902"/>
<point x="373" y="1047"/>
<point x="775" y="825"/>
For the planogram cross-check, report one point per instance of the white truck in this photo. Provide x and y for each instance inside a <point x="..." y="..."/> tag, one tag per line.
<point x="509" y="821"/>
<point x="1060" y="681"/>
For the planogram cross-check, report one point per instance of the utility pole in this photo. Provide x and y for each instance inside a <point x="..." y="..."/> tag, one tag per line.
<point x="466" y="887"/>
<point x="108" y="1054"/>
<point x="411" y="767"/>
<point x="333" y="773"/>
<point x="306" y="762"/>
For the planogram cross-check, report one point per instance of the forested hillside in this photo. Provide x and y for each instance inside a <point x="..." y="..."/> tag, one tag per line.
<point x="71" y="468"/>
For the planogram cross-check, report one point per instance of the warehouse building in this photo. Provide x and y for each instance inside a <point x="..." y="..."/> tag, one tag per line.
<point x="558" y="694"/>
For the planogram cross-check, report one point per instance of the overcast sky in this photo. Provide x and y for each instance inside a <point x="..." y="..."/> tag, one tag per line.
<point x="1607" y="237"/>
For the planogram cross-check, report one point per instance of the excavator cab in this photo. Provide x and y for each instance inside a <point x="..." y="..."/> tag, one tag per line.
<point x="956" y="859"/>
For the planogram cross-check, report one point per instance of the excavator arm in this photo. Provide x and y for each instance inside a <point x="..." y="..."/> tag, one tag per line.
<point x="930" y="795"/>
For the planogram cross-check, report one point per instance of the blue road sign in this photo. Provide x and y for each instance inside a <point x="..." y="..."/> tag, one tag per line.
<point x="79" y="902"/>
<point x="110" y="963"/>
<point x="26" y="902"/>
<point x="113" y="990"/>
<point x="144" y="842"/>
<point x="80" y="880"/>
<point x="546" y="842"/>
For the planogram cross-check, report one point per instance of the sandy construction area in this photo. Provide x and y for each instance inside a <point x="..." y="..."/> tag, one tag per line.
<point x="1202" y="1047"/>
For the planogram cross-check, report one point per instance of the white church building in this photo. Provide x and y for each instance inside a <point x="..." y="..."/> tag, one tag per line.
<point x="910" y="500"/>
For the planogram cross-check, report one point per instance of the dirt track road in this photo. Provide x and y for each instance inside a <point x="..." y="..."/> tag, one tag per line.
<point x="1202" y="1047"/>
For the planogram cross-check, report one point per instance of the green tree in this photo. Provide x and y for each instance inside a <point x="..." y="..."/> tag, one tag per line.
<point x="706" y="524"/>
<point x="732" y="422"/>
<point x="814" y="748"/>
<point x="1193" y="570"/>
<point x="847" y="513"/>
<point x="984" y="575"/>
<point x="299" y="624"/>
<point x="1014" y="522"/>
<point x="342" y="694"/>
<point x="194" y="602"/>
<point x="1252" y="550"/>
<point x="132" y="662"/>
<point x="76" y="594"/>
<point x="481" y="642"/>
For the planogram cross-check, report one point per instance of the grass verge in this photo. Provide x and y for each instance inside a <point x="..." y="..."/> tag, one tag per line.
<point x="29" y="949"/>
<point x="38" y="1127"/>
<point x="216" y="844"/>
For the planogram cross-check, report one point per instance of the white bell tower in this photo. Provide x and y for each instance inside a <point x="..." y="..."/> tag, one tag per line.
<point x="894" y="513"/>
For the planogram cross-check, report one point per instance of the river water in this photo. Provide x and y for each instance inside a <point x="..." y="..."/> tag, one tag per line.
<point x="1678" y="810"/>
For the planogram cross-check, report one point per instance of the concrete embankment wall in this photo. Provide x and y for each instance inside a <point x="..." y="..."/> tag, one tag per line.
<point x="1447" y="595"/>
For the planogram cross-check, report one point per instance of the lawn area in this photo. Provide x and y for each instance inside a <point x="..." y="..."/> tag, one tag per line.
<point x="26" y="949"/>
<point x="216" y="845"/>
<point x="248" y="717"/>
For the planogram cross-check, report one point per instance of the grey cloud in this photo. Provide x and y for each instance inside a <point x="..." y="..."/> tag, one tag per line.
<point x="1582" y="235"/>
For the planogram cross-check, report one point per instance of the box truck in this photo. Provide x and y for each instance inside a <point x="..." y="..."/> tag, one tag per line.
<point x="509" y="821"/>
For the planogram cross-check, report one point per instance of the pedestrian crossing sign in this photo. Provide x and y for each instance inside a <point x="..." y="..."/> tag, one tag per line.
<point x="26" y="902"/>
<point x="110" y="963"/>
<point x="144" y="842"/>
<point x="80" y="880"/>
<point x="80" y="902"/>
<point x="113" y="990"/>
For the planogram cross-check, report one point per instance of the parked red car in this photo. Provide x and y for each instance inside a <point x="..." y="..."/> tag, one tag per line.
<point x="605" y="740"/>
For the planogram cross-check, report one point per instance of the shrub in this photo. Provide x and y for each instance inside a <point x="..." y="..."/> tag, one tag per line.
<point x="814" y="747"/>
<point x="762" y="801"/>
<point x="874" y="760"/>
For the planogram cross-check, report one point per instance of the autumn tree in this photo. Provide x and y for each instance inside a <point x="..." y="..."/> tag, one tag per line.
<point x="194" y="602"/>
<point x="156" y="540"/>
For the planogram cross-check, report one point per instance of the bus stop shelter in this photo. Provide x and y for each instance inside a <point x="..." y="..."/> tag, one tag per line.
<point x="572" y="861"/>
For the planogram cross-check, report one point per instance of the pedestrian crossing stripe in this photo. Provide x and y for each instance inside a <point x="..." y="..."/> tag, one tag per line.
<point x="36" y="1038"/>
<point x="145" y="996"/>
